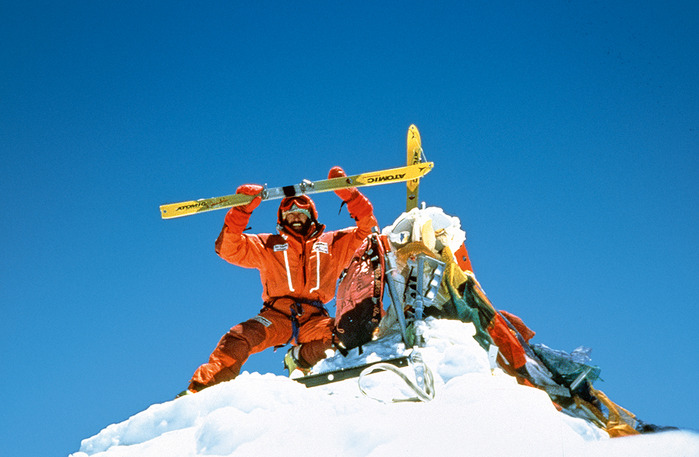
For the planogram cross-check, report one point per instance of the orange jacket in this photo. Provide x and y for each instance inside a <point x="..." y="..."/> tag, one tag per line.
<point x="305" y="268"/>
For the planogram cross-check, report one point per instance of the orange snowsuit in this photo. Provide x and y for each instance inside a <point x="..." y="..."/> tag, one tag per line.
<point x="298" y="274"/>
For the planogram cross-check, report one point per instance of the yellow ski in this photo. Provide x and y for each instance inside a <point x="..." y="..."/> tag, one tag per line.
<point x="373" y="178"/>
<point x="414" y="157"/>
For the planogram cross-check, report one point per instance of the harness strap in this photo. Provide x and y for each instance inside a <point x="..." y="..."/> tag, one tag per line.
<point x="296" y="310"/>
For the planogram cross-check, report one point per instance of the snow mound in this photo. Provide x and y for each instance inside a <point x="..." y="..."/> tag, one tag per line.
<point x="476" y="411"/>
<point x="408" y="227"/>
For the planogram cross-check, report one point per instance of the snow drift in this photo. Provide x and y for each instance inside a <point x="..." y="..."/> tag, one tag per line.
<point x="476" y="411"/>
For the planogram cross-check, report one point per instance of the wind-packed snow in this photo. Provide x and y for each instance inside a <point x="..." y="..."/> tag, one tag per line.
<point x="476" y="411"/>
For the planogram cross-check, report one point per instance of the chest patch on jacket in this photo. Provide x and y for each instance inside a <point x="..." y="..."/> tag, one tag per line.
<point x="281" y="247"/>
<point x="320" y="246"/>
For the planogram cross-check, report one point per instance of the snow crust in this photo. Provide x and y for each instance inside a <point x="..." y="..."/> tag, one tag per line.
<point x="476" y="411"/>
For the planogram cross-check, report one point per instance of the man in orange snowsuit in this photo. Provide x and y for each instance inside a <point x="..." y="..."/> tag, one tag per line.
<point x="299" y="268"/>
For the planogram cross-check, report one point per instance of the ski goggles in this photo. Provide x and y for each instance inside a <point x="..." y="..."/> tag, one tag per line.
<point x="297" y="205"/>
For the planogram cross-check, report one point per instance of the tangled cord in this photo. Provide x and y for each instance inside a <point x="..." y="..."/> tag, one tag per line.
<point x="421" y="371"/>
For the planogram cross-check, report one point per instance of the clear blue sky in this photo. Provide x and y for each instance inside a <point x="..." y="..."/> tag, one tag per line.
<point x="564" y="135"/>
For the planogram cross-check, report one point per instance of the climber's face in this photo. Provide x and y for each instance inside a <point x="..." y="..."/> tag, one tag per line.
<point x="297" y="221"/>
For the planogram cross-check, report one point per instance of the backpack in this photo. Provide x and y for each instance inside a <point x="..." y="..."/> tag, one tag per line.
<point x="358" y="303"/>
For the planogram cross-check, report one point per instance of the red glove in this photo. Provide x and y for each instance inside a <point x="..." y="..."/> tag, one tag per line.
<point x="360" y="206"/>
<point x="237" y="217"/>
<point x="357" y="204"/>
<point x="345" y="194"/>
<point x="253" y="190"/>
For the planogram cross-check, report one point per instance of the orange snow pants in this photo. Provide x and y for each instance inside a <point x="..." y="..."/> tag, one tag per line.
<point x="271" y="327"/>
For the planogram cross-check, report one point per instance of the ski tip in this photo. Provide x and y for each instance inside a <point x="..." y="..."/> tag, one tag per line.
<point x="413" y="134"/>
<point x="164" y="213"/>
